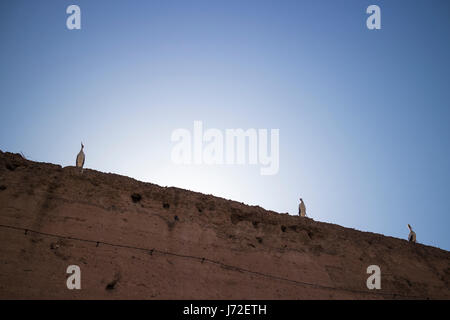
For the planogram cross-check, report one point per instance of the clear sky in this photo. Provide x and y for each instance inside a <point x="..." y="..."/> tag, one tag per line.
<point x="363" y="114"/>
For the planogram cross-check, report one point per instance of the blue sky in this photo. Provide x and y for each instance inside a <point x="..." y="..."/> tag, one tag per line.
<point x="363" y="114"/>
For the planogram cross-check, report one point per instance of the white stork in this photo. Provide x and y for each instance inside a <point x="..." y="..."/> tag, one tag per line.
<point x="412" y="235"/>
<point x="80" y="158"/>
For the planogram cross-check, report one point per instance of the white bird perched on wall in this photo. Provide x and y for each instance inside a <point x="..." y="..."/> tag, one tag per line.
<point x="80" y="158"/>
<point x="412" y="235"/>
<point x="302" y="209"/>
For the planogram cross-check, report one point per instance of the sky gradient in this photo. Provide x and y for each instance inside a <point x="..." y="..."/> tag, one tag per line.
<point x="363" y="114"/>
